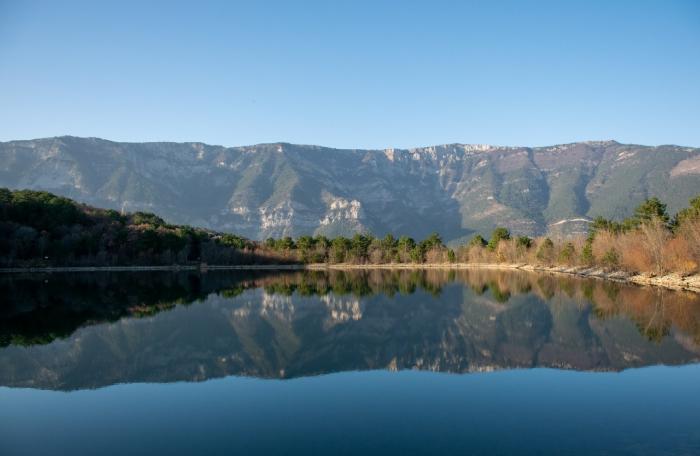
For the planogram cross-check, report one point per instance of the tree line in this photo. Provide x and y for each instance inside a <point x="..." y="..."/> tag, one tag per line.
<point x="43" y="229"/>
<point x="362" y="248"/>
<point x="649" y="241"/>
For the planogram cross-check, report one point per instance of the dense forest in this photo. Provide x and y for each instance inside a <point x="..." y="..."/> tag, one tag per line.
<point x="42" y="229"/>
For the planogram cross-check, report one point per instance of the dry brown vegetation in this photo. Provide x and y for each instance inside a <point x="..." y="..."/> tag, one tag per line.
<point x="649" y="243"/>
<point x="652" y="247"/>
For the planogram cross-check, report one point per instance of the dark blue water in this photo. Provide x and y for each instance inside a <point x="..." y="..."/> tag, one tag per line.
<point x="273" y="365"/>
<point x="647" y="411"/>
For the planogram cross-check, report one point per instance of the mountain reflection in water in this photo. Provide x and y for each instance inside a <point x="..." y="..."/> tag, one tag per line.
<point x="75" y="331"/>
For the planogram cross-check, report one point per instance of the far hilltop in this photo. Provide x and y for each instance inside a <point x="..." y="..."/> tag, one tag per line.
<point x="284" y="189"/>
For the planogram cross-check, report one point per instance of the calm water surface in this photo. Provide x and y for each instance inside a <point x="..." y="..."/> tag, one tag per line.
<point x="413" y="362"/>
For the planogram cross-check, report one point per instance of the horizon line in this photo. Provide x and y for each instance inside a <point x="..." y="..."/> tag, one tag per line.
<point x="476" y="145"/>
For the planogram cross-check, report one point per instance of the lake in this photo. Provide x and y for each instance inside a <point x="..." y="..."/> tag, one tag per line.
<point x="346" y="362"/>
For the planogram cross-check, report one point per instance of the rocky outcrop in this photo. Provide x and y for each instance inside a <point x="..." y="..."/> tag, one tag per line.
<point x="285" y="189"/>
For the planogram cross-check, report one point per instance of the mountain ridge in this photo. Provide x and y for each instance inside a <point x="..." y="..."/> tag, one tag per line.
<point x="280" y="188"/>
<point x="491" y="145"/>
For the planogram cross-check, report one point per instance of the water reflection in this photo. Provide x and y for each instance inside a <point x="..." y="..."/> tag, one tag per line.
<point x="84" y="331"/>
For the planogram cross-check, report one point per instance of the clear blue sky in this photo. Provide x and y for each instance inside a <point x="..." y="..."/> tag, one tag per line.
<point x="352" y="73"/>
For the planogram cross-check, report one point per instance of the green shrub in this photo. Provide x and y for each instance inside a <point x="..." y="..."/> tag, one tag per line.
<point x="546" y="250"/>
<point x="566" y="255"/>
<point x="524" y="242"/>
<point x="497" y="235"/>
<point x="477" y="241"/>
<point x="611" y="259"/>
<point x="587" y="254"/>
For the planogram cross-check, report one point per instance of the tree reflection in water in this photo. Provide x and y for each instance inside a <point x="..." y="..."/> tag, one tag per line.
<point x="147" y="327"/>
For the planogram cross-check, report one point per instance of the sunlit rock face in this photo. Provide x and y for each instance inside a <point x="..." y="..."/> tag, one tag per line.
<point x="285" y="189"/>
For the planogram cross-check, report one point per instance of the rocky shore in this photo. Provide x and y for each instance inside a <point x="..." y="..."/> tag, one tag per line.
<point x="673" y="281"/>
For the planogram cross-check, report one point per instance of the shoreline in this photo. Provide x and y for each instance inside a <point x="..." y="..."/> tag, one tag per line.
<point x="672" y="281"/>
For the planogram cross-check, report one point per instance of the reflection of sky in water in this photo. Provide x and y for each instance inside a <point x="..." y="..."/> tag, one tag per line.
<point x="641" y="411"/>
<point x="148" y="342"/>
